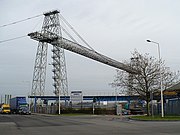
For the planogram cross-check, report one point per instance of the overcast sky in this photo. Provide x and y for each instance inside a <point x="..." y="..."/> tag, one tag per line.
<point x="112" y="27"/>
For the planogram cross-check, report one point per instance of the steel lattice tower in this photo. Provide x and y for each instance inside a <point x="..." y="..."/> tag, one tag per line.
<point x="51" y="24"/>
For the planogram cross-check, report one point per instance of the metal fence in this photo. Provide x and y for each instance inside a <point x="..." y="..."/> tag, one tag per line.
<point x="75" y="108"/>
<point x="171" y="107"/>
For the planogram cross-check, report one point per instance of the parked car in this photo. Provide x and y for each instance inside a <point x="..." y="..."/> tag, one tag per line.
<point x="24" y="110"/>
<point x="136" y="111"/>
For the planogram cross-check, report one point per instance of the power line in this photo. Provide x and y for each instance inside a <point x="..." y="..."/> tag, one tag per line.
<point x="19" y="21"/>
<point x="2" y="41"/>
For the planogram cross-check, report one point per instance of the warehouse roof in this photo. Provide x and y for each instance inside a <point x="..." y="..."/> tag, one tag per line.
<point x="175" y="87"/>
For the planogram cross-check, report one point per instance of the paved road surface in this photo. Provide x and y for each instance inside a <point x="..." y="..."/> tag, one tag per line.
<point x="82" y="125"/>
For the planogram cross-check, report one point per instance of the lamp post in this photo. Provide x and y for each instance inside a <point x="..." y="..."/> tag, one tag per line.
<point x="59" y="102"/>
<point x="159" y="55"/>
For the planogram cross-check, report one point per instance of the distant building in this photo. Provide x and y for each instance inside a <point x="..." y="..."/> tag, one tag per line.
<point x="174" y="90"/>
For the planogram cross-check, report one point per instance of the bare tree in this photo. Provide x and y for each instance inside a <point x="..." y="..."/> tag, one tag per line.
<point x="148" y="81"/>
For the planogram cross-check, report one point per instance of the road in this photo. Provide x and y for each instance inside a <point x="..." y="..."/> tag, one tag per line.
<point x="82" y="125"/>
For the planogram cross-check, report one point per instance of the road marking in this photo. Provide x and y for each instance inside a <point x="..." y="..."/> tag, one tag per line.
<point x="7" y="123"/>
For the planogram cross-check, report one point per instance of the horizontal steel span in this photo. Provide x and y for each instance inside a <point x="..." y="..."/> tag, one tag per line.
<point x="97" y="98"/>
<point x="102" y="98"/>
<point x="55" y="40"/>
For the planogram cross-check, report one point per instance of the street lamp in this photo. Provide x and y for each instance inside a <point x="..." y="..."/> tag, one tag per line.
<point x="162" y="105"/>
<point x="59" y="102"/>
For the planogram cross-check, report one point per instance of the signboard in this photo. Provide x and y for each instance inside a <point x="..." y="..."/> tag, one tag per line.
<point x="76" y="96"/>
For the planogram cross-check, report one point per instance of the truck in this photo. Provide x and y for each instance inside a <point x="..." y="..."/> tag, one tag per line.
<point x="5" y="109"/>
<point x="19" y="105"/>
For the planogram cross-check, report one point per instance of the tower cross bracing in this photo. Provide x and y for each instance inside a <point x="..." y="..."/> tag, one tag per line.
<point x="51" y="24"/>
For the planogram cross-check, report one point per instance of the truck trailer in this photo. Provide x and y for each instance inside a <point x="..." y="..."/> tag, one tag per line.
<point x="19" y="105"/>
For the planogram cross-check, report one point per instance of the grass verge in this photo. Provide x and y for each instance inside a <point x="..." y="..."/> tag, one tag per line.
<point x="156" y="118"/>
<point x="73" y="114"/>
